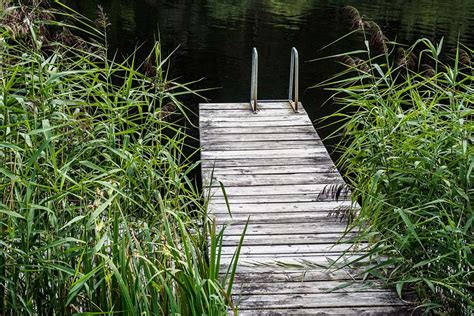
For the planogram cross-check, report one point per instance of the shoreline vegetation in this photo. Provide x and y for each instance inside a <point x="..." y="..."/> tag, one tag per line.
<point x="406" y="123"/>
<point x="98" y="211"/>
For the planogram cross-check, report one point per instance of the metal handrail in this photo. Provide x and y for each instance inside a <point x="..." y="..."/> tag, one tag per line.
<point x="254" y="81"/>
<point x="293" y="90"/>
<point x="294" y="80"/>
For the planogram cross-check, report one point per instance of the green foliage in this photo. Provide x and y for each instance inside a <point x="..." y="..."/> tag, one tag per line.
<point x="98" y="213"/>
<point x="408" y="155"/>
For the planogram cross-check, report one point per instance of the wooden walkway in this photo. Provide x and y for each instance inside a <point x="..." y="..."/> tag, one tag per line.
<point x="274" y="168"/>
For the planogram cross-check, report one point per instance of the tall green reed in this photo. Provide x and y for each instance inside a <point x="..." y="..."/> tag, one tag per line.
<point x="98" y="212"/>
<point x="406" y="123"/>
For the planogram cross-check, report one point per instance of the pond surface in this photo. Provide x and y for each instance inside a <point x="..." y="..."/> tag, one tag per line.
<point x="215" y="38"/>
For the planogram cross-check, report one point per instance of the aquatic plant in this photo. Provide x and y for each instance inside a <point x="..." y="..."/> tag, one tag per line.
<point x="377" y="41"/>
<point x="408" y="157"/>
<point x="98" y="213"/>
<point x="353" y="16"/>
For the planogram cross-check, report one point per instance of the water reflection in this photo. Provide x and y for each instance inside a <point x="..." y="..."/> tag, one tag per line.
<point x="406" y="18"/>
<point x="212" y="32"/>
<point x="216" y="36"/>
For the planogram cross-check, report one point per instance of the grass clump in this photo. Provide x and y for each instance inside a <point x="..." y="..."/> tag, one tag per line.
<point x="98" y="213"/>
<point x="407" y="154"/>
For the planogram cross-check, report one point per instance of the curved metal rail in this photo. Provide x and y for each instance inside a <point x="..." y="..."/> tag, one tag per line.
<point x="254" y="81"/>
<point x="293" y="90"/>
<point x="294" y="80"/>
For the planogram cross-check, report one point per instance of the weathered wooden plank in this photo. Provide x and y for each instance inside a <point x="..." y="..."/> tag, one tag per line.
<point x="254" y="118"/>
<point x="242" y="106"/>
<point x="295" y="130"/>
<point x="307" y="287"/>
<point x="260" y="139"/>
<point x="267" y="190"/>
<point x="302" y="268"/>
<point x="275" y="218"/>
<point x="333" y="311"/>
<point x="277" y="198"/>
<point x="329" y="207"/>
<point x="210" y="123"/>
<point x="338" y="224"/>
<point x="324" y="166"/>
<point x="285" y="229"/>
<point x="274" y="179"/>
<point x="265" y="105"/>
<point x="278" y="219"/>
<point x="215" y="126"/>
<point x="295" y="250"/>
<point x="296" y="239"/>
<point x="245" y="113"/>
<point x="309" y="261"/>
<point x="319" y="300"/>
<point x="226" y="216"/>
<point x="272" y="273"/>
<point x="246" y="145"/>
<point x="277" y="136"/>
<point x="320" y="158"/>
<point x="267" y="153"/>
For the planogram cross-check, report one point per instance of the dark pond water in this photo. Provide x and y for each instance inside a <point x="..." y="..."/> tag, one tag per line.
<point x="215" y="38"/>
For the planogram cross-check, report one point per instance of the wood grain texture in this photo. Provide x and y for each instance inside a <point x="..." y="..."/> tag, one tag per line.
<point x="255" y="118"/>
<point x="321" y="167"/>
<point x="276" y="136"/>
<point x="264" y="162"/>
<point x="269" y="189"/>
<point x="301" y="121"/>
<point x="271" y="144"/>
<point x="289" y="197"/>
<point x="275" y="179"/>
<point x="316" y="227"/>
<point x="290" y="239"/>
<point x="294" y="249"/>
<point x="274" y="218"/>
<point x="320" y="300"/>
<point x="278" y="180"/>
<point x="246" y="114"/>
<point x="308" y="287"/>
<point x="263" y="153"/>
<point x="253" y="130"/>
<point x="339" y="311"/>
<point x="325" y="261"/>
<point x="327" y="208"/>
<point x="246" y="106"/>
<point x="272" y="274"/>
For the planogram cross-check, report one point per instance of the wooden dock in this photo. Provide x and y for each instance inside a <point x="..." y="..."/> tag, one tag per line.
<point x="274" y="168"/>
